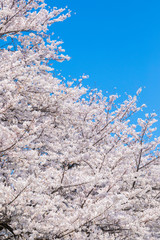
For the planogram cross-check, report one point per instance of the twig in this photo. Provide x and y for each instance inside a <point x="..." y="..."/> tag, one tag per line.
<point x="18" y="195"/>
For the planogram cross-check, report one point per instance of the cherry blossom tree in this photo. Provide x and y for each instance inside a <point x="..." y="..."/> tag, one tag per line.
<point x="73" y="164"/>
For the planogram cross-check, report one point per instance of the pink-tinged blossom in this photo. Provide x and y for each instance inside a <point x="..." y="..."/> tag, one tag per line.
<point x="73" y="165"/>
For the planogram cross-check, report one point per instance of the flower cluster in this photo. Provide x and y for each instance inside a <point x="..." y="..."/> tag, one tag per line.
<point x="72" y="164"/>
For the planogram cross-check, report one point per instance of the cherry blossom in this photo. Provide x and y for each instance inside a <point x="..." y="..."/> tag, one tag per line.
<point x="74" y="165"/>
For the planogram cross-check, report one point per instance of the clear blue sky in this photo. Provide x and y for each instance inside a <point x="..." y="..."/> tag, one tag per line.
<point x="117" y="43"/>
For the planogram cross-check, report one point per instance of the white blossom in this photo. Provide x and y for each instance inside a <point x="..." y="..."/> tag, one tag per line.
<point x="72" y="164"/>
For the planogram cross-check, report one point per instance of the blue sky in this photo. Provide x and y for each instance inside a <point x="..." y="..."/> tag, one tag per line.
<point x="117" y="43"/>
